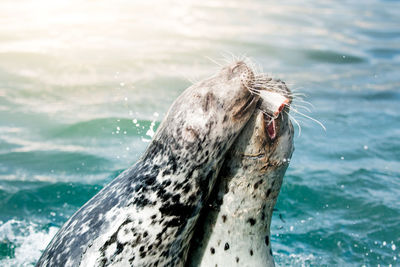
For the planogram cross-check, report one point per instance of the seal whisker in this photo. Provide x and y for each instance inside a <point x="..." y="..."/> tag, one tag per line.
<point x="301" y="100"/>
<point x="296" y="122"/>
<point x="231" y="59"/>
<point x="214" y="61"/>
<point x="308" y="117"/>
<point x="300" y="106"/>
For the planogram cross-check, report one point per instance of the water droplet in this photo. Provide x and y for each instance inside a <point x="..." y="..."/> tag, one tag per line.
<point x="155" y="114"/>
<point x="342" y="158"/>
<point x="122" y="84"/>
<point x="393" y="247"/>
<point x="384" y="243"/>
<point x="365" y="147"/>
<point x="127" y="148"/>
<point x="134" y="121"/>
<point x="291" y="228"/>
<point x="118" y="128"/>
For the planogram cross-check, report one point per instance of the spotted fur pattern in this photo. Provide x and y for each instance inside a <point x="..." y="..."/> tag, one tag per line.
<point x="234" y="228"/>
<point x="146" y="216"/>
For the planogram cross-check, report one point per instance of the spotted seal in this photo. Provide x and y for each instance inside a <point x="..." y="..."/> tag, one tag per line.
<point x="234" y="229"/>
<point x="146" y="216"/>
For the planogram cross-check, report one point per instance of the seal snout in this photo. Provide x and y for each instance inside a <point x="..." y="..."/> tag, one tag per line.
<point x="275" y="102"/>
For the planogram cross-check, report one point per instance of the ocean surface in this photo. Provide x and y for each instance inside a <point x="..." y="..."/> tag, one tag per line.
<point x="84" y="84"/>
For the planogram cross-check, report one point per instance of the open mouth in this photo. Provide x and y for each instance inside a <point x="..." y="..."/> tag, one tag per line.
<point x="272" y="105"/>
<point x="271" y="129"/>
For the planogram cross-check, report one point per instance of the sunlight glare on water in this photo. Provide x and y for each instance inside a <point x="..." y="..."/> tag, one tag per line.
<point x="84" y="85"/>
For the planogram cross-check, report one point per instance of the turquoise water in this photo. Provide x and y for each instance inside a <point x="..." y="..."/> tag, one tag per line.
<point x="83" y="85"/>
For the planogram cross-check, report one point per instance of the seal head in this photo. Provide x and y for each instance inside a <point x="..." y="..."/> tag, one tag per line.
<point x="146" y="216"/>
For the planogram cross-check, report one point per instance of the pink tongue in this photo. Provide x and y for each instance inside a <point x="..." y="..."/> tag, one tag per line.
<point x="271" y="129"/>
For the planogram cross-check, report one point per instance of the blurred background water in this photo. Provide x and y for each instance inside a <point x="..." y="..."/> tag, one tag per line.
<point x="83" y="84"/>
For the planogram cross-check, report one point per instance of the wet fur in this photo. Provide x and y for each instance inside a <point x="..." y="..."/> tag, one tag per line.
<point x="146" y="216"/>
<point x="234" y="227"/>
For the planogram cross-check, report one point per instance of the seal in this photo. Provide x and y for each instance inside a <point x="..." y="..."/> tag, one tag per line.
<point x="234" y="227"/>
<point x="146" y="216"/>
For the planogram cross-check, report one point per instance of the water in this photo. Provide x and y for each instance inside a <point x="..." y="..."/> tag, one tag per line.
<point x="84" y="84"/>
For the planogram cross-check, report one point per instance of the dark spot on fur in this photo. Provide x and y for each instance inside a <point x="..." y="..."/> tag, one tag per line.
<point x="145" y="234"/>
<point x="225" y="118"/>
<point x="192" y="199"/>
<point x="212" y="250"/>
<point x="113" y="238"/>
<point x="256" y="185"/>
<point x="226" y="247"/>
<point x="237" y="259"/>
<point x="267" y="240"/>
<point x="177" y="186"/>
<point x="207" y="102"/>
<point x="187" y="188"/>
<point x="143" y="254"/>
<point x="251" y="252"/>
<point x="223" y="218"/>
<point x="166" y="183"/>
<point x="120" y="248"/>
<point x="252" y="221"/>
<point x="141" y="248"/>
<point x="270" y="251"/>
<point x="176" y="198"/>
<point x="268" y="192"/>
<point x="166" y="172"/>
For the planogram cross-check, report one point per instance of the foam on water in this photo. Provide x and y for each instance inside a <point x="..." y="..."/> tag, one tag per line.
<point x="24" y="241"/>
